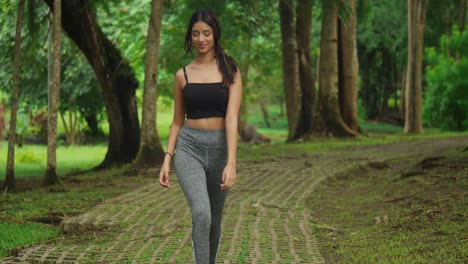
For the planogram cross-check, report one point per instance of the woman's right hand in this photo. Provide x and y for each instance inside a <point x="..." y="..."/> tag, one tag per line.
<point x="164" y="175"/>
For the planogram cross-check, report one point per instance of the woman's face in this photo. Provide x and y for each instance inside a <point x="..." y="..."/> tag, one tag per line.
<point x="202" y="37"/>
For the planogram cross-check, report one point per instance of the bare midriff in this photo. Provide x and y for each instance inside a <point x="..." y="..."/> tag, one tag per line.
<point x="211" y="123"/>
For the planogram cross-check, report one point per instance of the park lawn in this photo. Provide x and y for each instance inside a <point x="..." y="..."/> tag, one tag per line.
<point x="31" y="160"/>
<point x="407" y="211"/>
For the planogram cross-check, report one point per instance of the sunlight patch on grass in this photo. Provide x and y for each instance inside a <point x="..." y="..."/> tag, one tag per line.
<point x="31" y="160"/>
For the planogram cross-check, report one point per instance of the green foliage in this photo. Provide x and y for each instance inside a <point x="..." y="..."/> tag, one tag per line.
<point x="37" y="125"/>
<point x="80" y="90"/>
<point x="275" y="119"/>
<point x="244" y="24"/>
<point x="28" y="157"/>
<point x="440" y="17"/>
<point x="362" y="111"/>
<point x="125" y="23"/>
<point x="382" y="44"/>
<point x="254" y="41"/>
<point x="384" y="26"/>
<point x="22" y="121"/>
<point x="217" y="6"/>
<point x="446" y="98"/>
<point x="6" y="6"/>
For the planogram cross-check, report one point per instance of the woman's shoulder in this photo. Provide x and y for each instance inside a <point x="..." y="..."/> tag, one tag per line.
<point x="179" y="75"/>
<point x="180" y="72"/>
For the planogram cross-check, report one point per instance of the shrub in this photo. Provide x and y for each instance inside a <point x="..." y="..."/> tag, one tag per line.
<point x="446" y="98"/>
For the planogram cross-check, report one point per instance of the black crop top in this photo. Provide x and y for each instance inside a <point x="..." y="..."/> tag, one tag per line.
<point x="204" y="100"/>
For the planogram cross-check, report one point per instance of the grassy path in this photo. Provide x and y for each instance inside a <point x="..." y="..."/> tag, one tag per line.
<point x="267" y="218"/>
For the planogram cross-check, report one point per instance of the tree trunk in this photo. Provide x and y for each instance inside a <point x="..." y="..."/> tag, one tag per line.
<point x="461" y="22"/>
<point x="349" y="69"/>
<point x="416" y="18"/>
<point x="387" y="81"/>
<point x="281" y="105"/>
<point x="71" y="127"/>
<point x="151" y="152"/>
<point x="403" y="93"/>
<point x="92" y="122"/>
<point x="395" y="82"/>
<point x="290" y="67"/>
<point x="328" y="93"/>
<point x="54" y="95"/>
<point x="10" y="182"/>
<point x="264" y="110"/>
<point x="116" y="79"/>
<point x="65" y="125"/>
<point x="306" y="73"/>
<point x="243" y="112"/>
<point x="462" y="16"/>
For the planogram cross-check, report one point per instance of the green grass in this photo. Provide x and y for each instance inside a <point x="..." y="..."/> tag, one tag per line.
<point x="14" y="235"/>
<point x="245" y="240"/>
<point x="31" y="160"/>
<point x="164" y="122"/>
<point x="379" y="128"/>
<point x="426" y="213"/>
<point x="77" y="195"/>
<point x="276" y="120"/>
<point x="258" y="152"/>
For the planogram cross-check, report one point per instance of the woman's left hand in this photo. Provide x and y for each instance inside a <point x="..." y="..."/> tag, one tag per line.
<point x="229" y="177"/>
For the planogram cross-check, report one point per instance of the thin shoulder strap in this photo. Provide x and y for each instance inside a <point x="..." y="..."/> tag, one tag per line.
<point x="185" y="75"/>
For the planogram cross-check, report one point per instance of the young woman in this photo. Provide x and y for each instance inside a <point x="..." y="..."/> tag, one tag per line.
<point x="203" y="135"/>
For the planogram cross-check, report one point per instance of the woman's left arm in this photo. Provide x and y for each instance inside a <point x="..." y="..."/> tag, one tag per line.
<point x="232" y="117"/>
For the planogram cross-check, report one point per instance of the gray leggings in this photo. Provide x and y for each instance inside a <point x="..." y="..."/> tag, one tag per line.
<point x="200" y="159"/>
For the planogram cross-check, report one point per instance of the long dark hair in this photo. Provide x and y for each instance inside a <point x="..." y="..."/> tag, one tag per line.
<point x="226" y="63"/>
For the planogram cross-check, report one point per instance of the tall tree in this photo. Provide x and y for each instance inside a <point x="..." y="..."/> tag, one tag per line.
<point x="381" y="48"/>
<point x="461" y="16"/>
<point x="244" y="66"/>
<point x="245" y="20"/>
<point x="348" y="68"/>
<point x="328" y="93"/>
<point x="151" y="151"/>
<point x="290" y="66"/>
<point x="115" y="76"/>
<point x="54" y="96"/>
<point x="306" y="74"/>
<point x="10" y="182"/>
<point x="416" y="19"/>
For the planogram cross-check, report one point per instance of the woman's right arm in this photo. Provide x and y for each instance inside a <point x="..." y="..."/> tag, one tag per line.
<point x="177" y="123"/>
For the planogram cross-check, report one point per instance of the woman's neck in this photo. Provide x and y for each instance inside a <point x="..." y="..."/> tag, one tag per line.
<point x="205" y="59"/>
